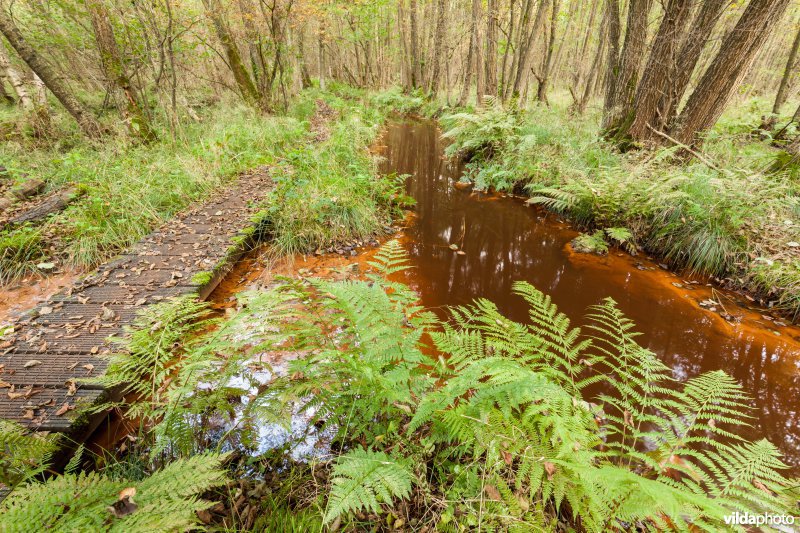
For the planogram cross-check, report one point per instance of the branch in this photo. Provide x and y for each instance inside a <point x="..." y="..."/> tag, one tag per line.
<point x="695" y="153"/>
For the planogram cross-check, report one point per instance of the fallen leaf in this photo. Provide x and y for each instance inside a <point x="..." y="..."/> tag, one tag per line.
<point x="65" y="407"/>
<point x="45" y="310"/>
<point x="31" y="363"/>
<point x="492" y="492"/>
<point x="89" y="367"/>
<point x="628" y="418"/>
<point x="550" y="468"/>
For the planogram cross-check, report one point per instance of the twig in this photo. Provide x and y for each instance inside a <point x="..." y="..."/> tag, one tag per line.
<point x="695" y="153"/>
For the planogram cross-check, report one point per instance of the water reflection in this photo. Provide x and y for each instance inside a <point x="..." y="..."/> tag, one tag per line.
<point x="504" y="241"/>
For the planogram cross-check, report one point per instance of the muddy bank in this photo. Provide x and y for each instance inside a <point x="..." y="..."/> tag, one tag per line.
<point x="499" y="240"/>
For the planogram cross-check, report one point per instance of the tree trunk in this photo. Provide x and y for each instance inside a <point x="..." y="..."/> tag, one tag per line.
<point x="729" y="67"/>
<point x="13" y="77"/>
<point x="470" y="65"/>
<point x="543" y="78"/>
<point x="116" y="73"/>
<point x="659" y="74"/>
<point x="415" y="66"/>
<point x="699" y="32"/>
<point x="612" y="61"/>
<point x="525" y="52"/>
<point x="480" y="88"/>
<point x="491" y="48"/>
<point x="633" y="50"/>
<point x="783" y="89"/>
<point x="48" y="75"/>
<point x="244" y="82"/>
<point x="438" y="45"/>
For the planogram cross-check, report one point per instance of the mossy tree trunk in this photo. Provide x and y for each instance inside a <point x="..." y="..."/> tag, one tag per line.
<point x="50" y="77"/>
<point x="617" y="114"/>
<point x="244" y="82"/>
<point x="116" y="72"/>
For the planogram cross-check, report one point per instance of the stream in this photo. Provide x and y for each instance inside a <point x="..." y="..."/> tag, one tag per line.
<point x="504" y="240"/>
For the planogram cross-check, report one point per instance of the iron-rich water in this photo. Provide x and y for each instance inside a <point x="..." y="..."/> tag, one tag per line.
<point x="504" y="240"/>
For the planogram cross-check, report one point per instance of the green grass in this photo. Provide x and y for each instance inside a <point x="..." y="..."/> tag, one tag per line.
<point x="726" y="216"/>
<point x="133" y="188"/>
<point x="20" y="250"/>
<point x="330" y="194"/>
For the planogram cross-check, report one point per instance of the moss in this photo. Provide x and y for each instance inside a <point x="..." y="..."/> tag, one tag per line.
<point x="202" y="278"/>
<point x="590" y="244"/>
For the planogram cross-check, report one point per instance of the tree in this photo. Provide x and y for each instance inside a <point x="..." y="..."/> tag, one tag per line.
<point x="491" y="48"/>
<point x="788" y="72"/>
<point x="116" y="72"/>
<point x="248" y="90"/>
<point x="625" y="74"/>
<point x="90" y="127"/>
<point x="15" y="80"/>
<point x="727" y="70"/>
<point x="438" y="43"/>
<point x="647" y="113"/>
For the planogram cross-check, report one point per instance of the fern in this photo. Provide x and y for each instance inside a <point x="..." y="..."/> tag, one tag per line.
<point x="23" y="455"/>
<point x="166" y="501"/>
<point x="363" y="479"/>
<point x="503" y="424"/>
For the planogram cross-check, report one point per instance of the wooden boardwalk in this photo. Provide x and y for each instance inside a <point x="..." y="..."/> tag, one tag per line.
<point x="64" y="339"/>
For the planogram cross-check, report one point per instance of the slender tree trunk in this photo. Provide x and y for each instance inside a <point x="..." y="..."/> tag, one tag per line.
<point x="480" y="88"/>
<point x="48" y="75"/>
<point x="13" y="77"/>
<point x="543" y="78"/>
<point x="525" y="53"/>
<point x="659" y="73"/>
<point x="504" y="74"/>
<point x="612" y="61"/>
<point x="470" y="65"/>
<point x="491" y="48"/>
<point x="116" y="73"/>
<point x="438" y="44"/>
<point x="729" y="67"/>
<point x="630" y="62"/>
<point x="415" y="65"/>
<point x="244" y="82"/>
<point x="788" y="72"/>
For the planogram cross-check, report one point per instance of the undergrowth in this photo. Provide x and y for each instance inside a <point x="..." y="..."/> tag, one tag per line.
<point x="476" y="422"/>
<point x="330" y="194"/>
<point x="131" y="189"/>
<point x="723" y="214"/>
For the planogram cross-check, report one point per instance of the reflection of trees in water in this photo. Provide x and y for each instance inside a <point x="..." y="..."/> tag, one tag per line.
<point x="504" y="243"/>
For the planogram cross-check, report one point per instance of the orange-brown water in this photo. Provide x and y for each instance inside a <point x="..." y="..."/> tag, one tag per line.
<point x="504" y="240"/>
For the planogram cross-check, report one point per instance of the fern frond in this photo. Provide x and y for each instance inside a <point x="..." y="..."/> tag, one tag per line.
<point x="363" y="479"/>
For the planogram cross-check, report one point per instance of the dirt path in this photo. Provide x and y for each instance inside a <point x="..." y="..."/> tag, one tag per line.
<point x="62" y="340"/>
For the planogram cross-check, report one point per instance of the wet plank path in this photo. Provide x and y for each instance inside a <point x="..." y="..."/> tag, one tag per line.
<point x="64" y="339"/>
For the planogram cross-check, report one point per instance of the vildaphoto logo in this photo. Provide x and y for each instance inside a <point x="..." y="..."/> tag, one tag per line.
<point x="764" y="519"/>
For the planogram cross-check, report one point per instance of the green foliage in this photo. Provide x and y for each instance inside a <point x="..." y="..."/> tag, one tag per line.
<point x="501" y="423"/>
<point x="329" y="195"/>
<point x="130" y="189"/>
<point x="20" y="250"/>
<point x="395" y="100"/>
<point x="715" y="219"/>
<point x="167" y="500"/>
<point x="23" y="455"/>
<point x="363" y="479"/>
<point x="594" y="243"/>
